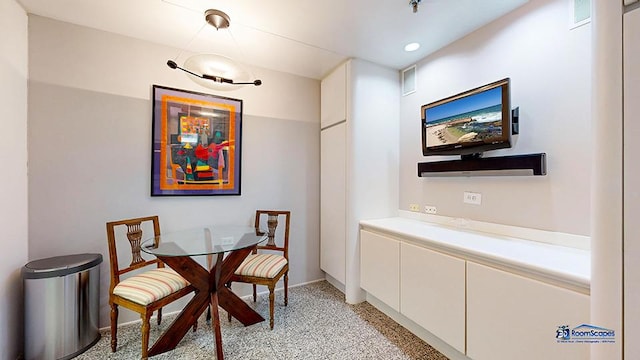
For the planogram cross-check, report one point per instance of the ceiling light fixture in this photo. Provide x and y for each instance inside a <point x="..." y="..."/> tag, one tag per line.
<point x="411" y="47"/>
<point x="211" y="70"/>
<point x="217" y="19"/>
<point x="414" y="5"/>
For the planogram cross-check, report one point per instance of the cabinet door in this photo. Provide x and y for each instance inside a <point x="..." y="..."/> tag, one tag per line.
<point x="380" y="267"/>
<point x="333" y="201"/>
<point x="432" y="293"/>
<point x="333" y="97"/>
<point x="512" y="317"/>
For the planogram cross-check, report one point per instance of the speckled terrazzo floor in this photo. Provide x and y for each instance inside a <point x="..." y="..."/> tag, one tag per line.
<point x="317" y="324"/>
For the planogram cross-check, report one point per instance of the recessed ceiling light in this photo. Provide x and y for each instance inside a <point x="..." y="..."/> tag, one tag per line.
<point x="412" y="47"/>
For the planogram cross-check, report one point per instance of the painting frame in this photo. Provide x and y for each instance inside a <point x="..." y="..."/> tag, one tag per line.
<point x="196" y="145"/>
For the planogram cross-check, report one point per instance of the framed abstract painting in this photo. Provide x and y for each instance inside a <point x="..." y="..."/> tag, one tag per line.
<point x="196" y="145"/>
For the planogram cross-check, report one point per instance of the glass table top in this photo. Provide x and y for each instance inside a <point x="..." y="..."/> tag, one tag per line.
<point x="203" y="241"/>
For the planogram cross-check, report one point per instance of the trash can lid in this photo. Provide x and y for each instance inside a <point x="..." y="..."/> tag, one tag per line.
<point x="60" y="265"/>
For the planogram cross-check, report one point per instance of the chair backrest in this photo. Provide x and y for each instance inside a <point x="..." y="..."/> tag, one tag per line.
<point x="134" y="235"/>
<point x="269" y="220"/>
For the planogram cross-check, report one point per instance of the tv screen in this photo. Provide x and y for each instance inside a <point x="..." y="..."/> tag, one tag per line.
<point x="468" y="123"/>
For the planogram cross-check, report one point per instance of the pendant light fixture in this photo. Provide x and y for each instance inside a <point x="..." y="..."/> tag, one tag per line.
<point x="215" y="71"/>
<point x="414" y="5"/>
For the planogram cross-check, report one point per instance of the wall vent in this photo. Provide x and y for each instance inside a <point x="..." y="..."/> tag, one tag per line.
<point x="409" y="80"/>
<point x="580" y="12"/>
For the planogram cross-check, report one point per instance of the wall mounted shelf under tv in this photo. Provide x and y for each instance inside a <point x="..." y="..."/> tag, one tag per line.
<point x="514" y="165"/>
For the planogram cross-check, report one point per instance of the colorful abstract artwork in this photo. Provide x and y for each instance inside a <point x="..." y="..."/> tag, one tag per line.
<point x="196" y="143"/>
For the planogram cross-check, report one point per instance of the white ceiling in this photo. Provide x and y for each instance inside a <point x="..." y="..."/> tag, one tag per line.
<point x="301" y="37"/>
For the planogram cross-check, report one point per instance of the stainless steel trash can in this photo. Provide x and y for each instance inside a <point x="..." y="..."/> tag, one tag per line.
<point x="61" y="306"/>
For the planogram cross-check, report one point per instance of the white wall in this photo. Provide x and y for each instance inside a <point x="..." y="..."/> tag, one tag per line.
<point x="90" y="141"/>
<point x="607" y="225"/>
<point x="69" y="55"/>
<point x="13" y="189"/>
<point x="631" y="180"/>
<point x="550" y="70"/>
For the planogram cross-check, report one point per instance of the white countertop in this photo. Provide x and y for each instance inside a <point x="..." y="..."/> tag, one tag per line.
<point x="558" y="264"/>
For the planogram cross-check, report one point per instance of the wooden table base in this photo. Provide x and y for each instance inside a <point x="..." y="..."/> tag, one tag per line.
<point x="210" y="290"/>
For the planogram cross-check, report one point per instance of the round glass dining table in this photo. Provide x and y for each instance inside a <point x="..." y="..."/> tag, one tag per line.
<point x="176" y="249"/>
<point x="204" y="241"/>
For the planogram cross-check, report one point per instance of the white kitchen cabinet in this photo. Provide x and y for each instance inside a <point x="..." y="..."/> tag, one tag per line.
<point x="473" y="295"/>
<point x="333" y="176"/>
<point x="332" y="209"/>
<point x="333" y="95"/>
<point x="359" y="172"/>
<point x="513" y="317"/>
<point x="432" y="292"/>
<point x="380" y="267"/>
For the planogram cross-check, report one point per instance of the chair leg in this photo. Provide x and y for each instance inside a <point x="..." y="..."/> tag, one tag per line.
<point x="228" y="313"/>
<point x="114" y="327"/>
<point x="159" y="316"/>
<point x="272" y="299"/>
<point x="286" y="288"/>
<point x="145" y="334"/>
<point x="254" y="293"/>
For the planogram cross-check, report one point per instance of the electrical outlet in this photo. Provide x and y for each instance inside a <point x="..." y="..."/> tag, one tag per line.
<point x="414" y="207"/>
<point x="472" y="198"/>
<point x="430" y="209"/>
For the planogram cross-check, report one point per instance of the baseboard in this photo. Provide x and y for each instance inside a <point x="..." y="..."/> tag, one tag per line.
<point x="446" y="349"/>
<point x="335" y="283"/>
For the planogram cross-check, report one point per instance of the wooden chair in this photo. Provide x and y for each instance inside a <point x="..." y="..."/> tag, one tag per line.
<point x="146" y="291"/>
<point x="267" y="268"/>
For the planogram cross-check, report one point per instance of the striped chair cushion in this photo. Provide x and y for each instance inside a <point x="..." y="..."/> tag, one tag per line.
<point x="262" y="265"/>
<point x="150" y="286"/>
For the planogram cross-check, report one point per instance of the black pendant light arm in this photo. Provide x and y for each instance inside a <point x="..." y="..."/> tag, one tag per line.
<point x="172" y="64"/>
<point x="255" y="82"/>
<point x="219" y="79"/>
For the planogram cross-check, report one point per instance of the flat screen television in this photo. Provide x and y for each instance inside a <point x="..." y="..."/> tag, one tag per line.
<point x="468" y="123"/>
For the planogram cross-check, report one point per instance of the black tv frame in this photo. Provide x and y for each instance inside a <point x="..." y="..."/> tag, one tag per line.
<point x="471" y="148"/>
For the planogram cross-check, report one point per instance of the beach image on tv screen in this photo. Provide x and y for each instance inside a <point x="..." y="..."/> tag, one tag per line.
<point x="473" y="118"/>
